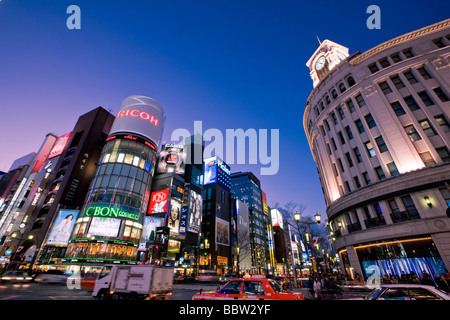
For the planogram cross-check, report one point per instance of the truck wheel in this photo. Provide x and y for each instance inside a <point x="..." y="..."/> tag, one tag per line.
<point x="102" y="295"/>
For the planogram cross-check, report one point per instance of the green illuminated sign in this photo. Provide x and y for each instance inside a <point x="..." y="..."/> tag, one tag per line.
<point x="107" y="212"/>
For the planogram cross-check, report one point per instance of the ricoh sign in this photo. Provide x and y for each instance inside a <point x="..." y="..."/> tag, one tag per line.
<point x="140" y="115"/>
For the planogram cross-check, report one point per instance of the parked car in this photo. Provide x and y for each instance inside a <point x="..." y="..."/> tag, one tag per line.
<point x="183" y="279"/>
<point x="207" y="276"/>
<point x="256" y="287"/>
<point x="407" y="292"/>
<point x="52" y="277"/>
<point x="15" y="277"/>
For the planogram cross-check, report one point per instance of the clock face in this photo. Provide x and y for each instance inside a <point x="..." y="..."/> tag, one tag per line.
<point x="320" y="63"/>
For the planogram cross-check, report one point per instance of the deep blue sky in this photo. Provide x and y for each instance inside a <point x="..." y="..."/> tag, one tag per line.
<point x="231" y="64"/>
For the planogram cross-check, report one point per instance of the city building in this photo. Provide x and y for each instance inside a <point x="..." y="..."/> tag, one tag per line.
<point x="216" y="246"/>
<point x="246" y="187"/>
<point x="109" y="226"/>
<point x="378" y="127"/>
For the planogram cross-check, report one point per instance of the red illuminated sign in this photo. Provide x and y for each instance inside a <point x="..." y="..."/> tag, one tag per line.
<point x="158" y="201"/>
<point x="138" y="114"/>
<point x="59" y="146"/>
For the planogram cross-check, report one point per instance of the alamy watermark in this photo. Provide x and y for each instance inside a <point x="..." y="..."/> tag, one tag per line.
<point x="238" y="146"/>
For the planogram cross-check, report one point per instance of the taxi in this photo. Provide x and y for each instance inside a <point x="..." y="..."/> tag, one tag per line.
<point x="256" y="287"/>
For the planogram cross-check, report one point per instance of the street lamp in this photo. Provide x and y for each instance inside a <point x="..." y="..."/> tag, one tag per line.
<point x="14" y="236"/>
<point x="317" y="217"/>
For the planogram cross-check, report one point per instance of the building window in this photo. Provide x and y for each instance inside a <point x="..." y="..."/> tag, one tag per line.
<point x="366" y="178"/>
<point x="444" y="154"/>
<point x="393" y="206"/>
<point x="384" y="62"/>
<point x="334" y="94"/>
<point x="446" y="195"/>
<point x="329" y="149"/>
<point x="408" y="53"/>
<point x="316" y="111"/>
<point x="441" y="95"/>
<point x="341" y="137"/>
<point x="347" y="186"/>
<point x="350" y="105"/>
<point x="342" y="87"/>
<point x="409" y="204"/>
<point x="396" y="57"/>
<point x="341" y="113"/>
<point x="427" y="128"/>
<point x="398" y="83"/>
<point x="442" y="123"/>
<point x="357" y="155"/>
<point x="322" y="130"/>
<point x="370" y="150"/>
<point x="326" y="125"/>
<point x="438" y="42"/>
<point x="350" y="134"/>
<point x="412" y="133"/>
<point x="408" y="74"/>
<point x="398" y="109"/>
<point x="426" y="98"/>
<point x="380" y="173"/>
<point x="351" y="82"/>
<point x="385" y="87"/>
<point x="360" y="126"/>
<point x="424" y="73"/>
<point x="358" y="184"/>
<point x="393" y="169"/>
<point x="341" y="166"/>
<point x="327" y="100"/>
<point x="334" y="144"/>
<point x="373" y="67"/>
<point x="381" y="144"/>
<point x="349" y="159"/>
<point x="427" y="159"/>
<point x="370" y="122"/>
<point x="333" y="116"/>
<point x="336" y="173"/>
<point x="360" y="100"/>
<point x="412" y="104"/>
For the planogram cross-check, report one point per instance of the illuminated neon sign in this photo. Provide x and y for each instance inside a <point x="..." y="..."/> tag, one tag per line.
<point x="97" y="211"/>
<point x="138" y="114"/>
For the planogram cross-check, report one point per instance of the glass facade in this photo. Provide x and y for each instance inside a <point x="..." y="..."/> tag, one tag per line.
<point x="112" y="219"/>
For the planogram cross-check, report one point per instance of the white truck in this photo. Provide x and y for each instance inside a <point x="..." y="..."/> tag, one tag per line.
<point x="134" y="282"/>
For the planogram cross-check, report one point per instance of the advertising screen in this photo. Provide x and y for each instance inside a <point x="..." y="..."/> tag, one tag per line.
<point x="265" y="206"/>
<point x="104" y="227"/>
<point x="173" y="246"/>
<point x="59" y="146"/>
<point x="64" y="223"/>
<point x="222" y="232"/>
<point x="174" y="218"/>
<point x="171" y="159"/>
<point x="158" y="201"/>
<point x="195" y="218"/>
<point x="149" y="231"/>
<point x="277" y="218"/>
<point x="210" y="171"/>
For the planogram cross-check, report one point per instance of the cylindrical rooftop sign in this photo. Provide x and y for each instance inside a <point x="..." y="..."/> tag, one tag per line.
<point x="140" y="115"/>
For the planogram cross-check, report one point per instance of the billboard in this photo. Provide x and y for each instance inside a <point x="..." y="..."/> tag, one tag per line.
<point x="217" y="171"/>
<point x="62" y="228"/>
<point x="265" y="206"/>
<point x="210" y="171"/>
<point x="140" y="115"/>
<point x="277" y="218"/>
<point x="104" y="227"/>
<point x="59" y="146"/>
<point x="172" y="158"/>
<point x="174" y="218"/>
<point x="195" y="218"/>
<point x="158" y="201"/>
<point x="222" y="232"/>
<point x="184" y="209"/>
<point x="149" y="231"/>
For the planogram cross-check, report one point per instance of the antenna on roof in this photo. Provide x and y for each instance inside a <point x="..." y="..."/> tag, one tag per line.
<point x="318" y="40"/>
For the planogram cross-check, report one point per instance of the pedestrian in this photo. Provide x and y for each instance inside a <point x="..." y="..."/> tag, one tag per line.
<point x="311" y="285"/>
<point x="427" y="280"/>
<point x="317" y="288"/>
<point x="441" y="282"/>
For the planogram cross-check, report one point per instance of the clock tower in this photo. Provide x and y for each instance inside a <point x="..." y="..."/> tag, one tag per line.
<point x="327" y="56"/>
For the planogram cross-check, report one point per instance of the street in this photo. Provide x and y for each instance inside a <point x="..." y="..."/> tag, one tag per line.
<point x="36" y="291"/>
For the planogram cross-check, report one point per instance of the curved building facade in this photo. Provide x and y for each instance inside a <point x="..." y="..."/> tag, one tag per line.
<point x="110" y="224"/>
<point x="378" y="128"/>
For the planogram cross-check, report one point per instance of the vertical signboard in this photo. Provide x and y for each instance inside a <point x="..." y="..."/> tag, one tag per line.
<point x="184" y="209"/>
<point x="174" y="217"/>
<point x="195" y="217"/>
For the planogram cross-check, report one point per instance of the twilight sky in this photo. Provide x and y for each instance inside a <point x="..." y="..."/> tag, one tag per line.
<point x="230" y="64"/>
